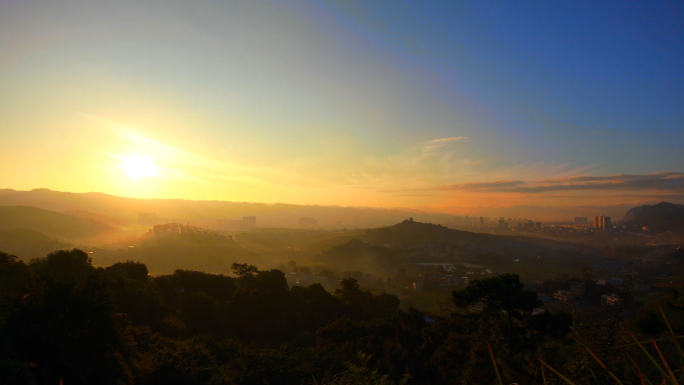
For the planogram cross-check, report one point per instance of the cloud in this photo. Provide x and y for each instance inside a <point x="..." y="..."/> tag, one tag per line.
<point x="662" y="181"/>
<point x="437" y="143"/>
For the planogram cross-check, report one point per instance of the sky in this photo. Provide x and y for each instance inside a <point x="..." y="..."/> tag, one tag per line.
<point x="440" y="106"/>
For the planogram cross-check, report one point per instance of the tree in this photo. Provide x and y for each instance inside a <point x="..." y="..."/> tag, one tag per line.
<point x="7" y="259"/>
<point x="259" y="304"/>
<point x="503" y="292"/>
<point x="363" y="304"/>
<point x="129" y="269"/>
<point x="14" y="275"/>
<point x="243" y="270"/>
<point x="63" y="265"/>
<point x="350" y="293"/>
<point x="67" y="331"/>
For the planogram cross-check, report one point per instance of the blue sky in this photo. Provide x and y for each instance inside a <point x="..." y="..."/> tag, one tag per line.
<point x="583" y="81"/>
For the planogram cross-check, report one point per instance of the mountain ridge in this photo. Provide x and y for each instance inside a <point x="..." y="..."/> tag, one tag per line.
<point x="664" y="216"/>
<point x="52" y="224"/>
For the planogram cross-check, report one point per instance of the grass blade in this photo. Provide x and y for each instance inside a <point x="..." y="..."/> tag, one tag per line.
<point x="602" y="364"/>
<point x="673" y="337"/>
<point x="662" y="358"/>
<point x="670" y="338"/>
<point x="496" y="369"/>
<point x="641" y="376"/>
<point x="592" y="373"/>
<point x="654" y="362"/>
<point x="557" y="372"/>
<point x="593" y="355"/>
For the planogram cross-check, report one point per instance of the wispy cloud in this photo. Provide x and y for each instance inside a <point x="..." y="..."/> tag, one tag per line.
<point x="436" y="143"/>
<point x="542" y="170"/>
<point x="659" y="181"/>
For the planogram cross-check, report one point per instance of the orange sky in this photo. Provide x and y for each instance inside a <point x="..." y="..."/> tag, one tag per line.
<point x="315" y="104"/>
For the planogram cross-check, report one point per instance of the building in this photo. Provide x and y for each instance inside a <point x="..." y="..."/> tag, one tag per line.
<point x="612" y="300"/>
<point x="307" y="223"/>
<point x="249" y="221"/>
<point x="502" y="223"/>
<point x="581" y="220"/>
<point x="563" y="295"/>
<point x="602" y="222"/>
<point x="246" y="223"/>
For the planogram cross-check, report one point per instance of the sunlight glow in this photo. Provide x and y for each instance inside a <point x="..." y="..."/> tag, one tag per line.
<point x="139" y="166"/>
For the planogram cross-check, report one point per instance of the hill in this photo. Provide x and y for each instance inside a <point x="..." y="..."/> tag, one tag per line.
<point x="52" y="224"/>
<point x="28" y="244"/>
<point x="206" y="213"/>
<point x="110" y="220"/>
<point x="663" y="216"/>
<point x="411" y="232"/>
<point x="194" y="249"/>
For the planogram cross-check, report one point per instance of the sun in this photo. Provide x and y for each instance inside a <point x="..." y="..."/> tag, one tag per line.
<point x="139" y="166"/>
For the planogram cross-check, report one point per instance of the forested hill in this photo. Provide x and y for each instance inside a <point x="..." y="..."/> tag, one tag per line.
<point x="412" y="232"/>
<point x="661" y="217"/>
<point x="51" y="224"/>
<point x="28" y="244"/>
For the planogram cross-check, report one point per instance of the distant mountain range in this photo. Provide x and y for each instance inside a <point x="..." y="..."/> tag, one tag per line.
<point x="120" y="211"/>
<point x="663" y="216"/>
<point x="110" y="209"/>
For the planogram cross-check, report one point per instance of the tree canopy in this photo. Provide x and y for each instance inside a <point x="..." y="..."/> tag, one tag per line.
<point x="502" y="292"/>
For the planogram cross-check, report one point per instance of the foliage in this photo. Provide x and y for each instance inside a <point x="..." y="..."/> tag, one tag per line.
<point x="129" y="269"/>
<point x="61" y="320"/>
<point x="64" y="326"/>
<point x="503" y="292"/>
<point x="360" y="374"/>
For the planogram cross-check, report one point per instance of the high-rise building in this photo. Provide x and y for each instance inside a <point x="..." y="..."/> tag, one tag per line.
<point x="602" y="222"/>
<point x="249" y="221"/>
<point x="307" y="223"/>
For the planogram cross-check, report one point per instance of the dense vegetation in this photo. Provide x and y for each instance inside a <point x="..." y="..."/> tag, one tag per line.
<point x="64" y="321"/>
